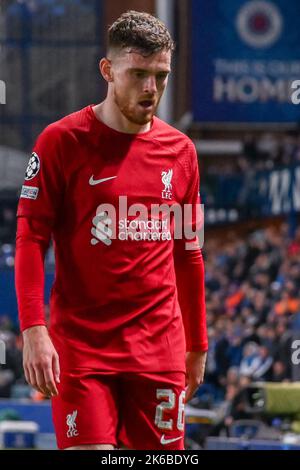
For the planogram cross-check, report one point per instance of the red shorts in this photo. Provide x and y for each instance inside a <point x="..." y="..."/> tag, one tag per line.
<point x="134" y="410"/>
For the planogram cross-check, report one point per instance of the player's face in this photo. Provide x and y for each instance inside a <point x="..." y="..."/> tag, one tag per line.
<point x="139" y="83"/>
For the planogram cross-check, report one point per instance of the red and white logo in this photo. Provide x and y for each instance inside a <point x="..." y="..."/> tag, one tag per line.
<point x="166" y="178"/>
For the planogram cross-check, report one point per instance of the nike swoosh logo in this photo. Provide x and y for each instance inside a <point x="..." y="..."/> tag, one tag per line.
<point x="165" y="441"/>
<point x="93" y="182"/>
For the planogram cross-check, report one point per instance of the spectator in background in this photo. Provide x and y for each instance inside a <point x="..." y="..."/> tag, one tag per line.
<point x="263" y="372"/>
<point x="279" y="373"/>
<point x="294" y="247"/>
<point x="235" y="351"/>
<point x="287" y="304"/>
<point x="250" y="360"/>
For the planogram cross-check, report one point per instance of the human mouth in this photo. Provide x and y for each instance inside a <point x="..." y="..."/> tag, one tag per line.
<point x="147" y="105"/>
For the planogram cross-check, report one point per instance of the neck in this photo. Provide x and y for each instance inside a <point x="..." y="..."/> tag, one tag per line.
<point x="109" y="113"/>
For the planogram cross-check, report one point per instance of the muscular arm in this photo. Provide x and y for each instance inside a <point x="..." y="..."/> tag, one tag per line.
<point x="40" y="360"/>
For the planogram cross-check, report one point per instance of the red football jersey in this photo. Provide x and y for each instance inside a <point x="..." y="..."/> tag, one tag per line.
<point x="114" y="303"/>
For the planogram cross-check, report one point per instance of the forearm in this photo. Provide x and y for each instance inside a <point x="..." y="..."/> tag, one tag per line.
<point x="189" y="268"/>
<point x="31" y="244"/>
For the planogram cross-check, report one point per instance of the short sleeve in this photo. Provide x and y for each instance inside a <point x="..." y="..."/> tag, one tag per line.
<point x="43" y="188"/>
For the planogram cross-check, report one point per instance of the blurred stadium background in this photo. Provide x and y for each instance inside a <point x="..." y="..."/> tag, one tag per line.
<point x="231" y="92"/>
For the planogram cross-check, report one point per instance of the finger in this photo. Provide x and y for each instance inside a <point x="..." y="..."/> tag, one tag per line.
<point x="190" y="390"/>
<point x="32" y="378"/>
<point x="56" y="368"/>
<point x="26" y="374"/>
<point x="188" y="394"/>
<point x="41" y="381"/>
<point x="50" y="382"/>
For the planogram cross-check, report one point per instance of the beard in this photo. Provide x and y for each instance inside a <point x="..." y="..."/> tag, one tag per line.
<point x="134" y="113"/>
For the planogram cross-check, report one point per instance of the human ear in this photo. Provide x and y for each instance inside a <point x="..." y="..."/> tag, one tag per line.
<point x="106" y="69"/>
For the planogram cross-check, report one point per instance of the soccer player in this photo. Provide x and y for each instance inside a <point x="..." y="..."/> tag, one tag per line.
<point x="127" y="335"/>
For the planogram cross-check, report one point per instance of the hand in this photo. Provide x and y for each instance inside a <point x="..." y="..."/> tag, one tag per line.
<point x="195" y="368"/>
<point x="40" y="360"/>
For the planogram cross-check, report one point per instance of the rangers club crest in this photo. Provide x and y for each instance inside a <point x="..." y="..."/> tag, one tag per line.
<point x="259" y="23"/>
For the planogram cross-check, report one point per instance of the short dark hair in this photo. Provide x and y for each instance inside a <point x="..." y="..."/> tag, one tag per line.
<point x="140" y="31"/>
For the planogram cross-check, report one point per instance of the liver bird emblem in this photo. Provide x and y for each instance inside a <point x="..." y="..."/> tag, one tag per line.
<point x="71" y="418"/>
<point x="166" y="179"/>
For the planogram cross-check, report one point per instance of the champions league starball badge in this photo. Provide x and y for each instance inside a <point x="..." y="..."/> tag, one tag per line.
<point x="33" y="167"/>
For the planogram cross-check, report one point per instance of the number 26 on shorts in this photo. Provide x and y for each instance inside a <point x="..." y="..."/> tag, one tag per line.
<point x="170" y="396"/>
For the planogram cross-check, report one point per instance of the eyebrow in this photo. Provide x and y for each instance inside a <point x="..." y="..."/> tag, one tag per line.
<point x="136" y="69"/>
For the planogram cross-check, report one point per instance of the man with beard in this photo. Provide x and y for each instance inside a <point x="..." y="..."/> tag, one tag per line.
<point x="127" y="335"/>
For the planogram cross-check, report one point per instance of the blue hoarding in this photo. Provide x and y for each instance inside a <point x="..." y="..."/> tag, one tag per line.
<point x="245" y="56"/>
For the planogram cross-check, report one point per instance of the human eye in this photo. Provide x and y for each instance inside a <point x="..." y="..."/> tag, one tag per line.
<point x="162" y="76"/>
<point x="139" y="74"/>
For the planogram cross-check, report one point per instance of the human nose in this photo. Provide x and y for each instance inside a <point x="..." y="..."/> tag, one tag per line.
<point x="150" y="85"/>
